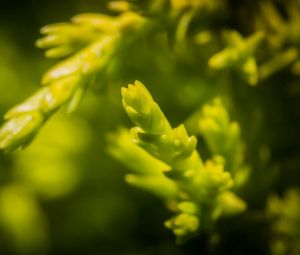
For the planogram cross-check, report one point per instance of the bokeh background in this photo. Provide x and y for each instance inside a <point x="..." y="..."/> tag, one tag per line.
<point x="65" y="194"/>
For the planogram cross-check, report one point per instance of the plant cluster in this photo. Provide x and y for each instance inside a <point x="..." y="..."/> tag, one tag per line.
<point x="217" y="158"/>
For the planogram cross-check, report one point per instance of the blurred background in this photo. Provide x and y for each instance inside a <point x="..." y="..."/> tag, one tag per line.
<point x="64" y="194"/>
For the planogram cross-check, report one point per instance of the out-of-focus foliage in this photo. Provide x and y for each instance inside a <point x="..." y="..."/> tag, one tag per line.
<point x="285" y="227"/>
<point x="226" y="76"/>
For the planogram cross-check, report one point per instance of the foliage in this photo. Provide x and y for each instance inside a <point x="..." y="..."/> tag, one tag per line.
<point x="226" y="74"/>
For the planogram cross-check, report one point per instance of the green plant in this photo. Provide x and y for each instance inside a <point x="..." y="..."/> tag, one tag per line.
<point x="227" y="150"/>
<point x="200" y="192"/>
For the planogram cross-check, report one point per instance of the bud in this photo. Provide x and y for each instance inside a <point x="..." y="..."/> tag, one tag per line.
<point x="215" y="178"/>
<point x="229" y="204"/>
<point x="184" y="144"/>
<point x="183" y="224"/>
<point x="188" y="207"/>
<point x="143" y="111"/>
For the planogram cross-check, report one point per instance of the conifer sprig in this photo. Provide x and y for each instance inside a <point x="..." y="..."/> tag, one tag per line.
<point x="98" y="37"/>
<point x="203" y="188"/>
<point x="239" y="55"/>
